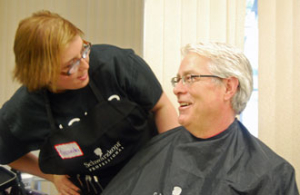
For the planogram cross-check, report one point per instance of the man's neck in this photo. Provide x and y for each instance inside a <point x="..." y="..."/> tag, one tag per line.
<point x="210" y="128"/>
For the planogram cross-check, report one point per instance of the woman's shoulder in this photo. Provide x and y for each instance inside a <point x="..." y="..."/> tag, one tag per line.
<point x="21" y="108"/>
<point x="108" y="51"/>
<point x="108" y="58"/>
<point x="22" y="99"/>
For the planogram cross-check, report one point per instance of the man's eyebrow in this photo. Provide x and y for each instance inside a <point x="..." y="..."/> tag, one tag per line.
<point x="186" y="72"/>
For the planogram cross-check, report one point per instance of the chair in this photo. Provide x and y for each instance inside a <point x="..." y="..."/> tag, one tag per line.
<point x="7" y="180"/>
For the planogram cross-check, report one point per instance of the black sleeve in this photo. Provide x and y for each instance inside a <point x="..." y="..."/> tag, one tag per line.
<point x="143" y="86"/>
<point x="277" y="180"/>
<point x="284" y="181"/>
<point x="117" y="70"/>
<point x="10" y="146"/>
<point x="23" y="125"/>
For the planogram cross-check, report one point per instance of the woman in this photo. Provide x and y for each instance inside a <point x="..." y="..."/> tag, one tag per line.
<point x="88" y="109"/>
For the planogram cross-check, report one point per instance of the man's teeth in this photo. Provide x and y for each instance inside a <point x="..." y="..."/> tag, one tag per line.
<point x="184" y="104"/>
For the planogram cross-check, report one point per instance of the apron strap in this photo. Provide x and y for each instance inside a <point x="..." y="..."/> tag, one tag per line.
<point x="96" y="91"/>
<point x="48" y="108"/>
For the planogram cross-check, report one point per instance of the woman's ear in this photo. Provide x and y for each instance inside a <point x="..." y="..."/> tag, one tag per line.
<point x="231" y="87"/>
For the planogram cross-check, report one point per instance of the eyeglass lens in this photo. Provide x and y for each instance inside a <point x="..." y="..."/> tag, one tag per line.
<point x="75" y="65"/>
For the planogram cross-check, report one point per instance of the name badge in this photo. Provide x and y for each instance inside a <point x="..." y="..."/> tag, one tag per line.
<point x="68" y="150"/>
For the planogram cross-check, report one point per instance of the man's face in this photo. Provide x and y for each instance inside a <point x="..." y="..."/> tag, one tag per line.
<point x="200" y="100"/>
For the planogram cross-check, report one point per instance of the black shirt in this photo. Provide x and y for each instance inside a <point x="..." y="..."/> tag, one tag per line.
<point x="24" y="123"/>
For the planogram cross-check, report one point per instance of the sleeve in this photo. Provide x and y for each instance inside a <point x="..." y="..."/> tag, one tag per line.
<point x="117" y="70"/>
<point x="143" y="86"/>
<point x="10" y="146"/>
<point x="284" y="180"/>
<point x="278" y="180"/>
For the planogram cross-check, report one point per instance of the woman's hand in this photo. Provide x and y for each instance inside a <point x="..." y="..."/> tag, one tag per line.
<point x="64" y="186"/>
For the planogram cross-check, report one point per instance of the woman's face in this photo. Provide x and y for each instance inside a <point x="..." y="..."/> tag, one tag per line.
<point x="79" y="78"/>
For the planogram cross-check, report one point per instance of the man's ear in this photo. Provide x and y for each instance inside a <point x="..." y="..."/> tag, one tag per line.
<point x="231" y="87"/>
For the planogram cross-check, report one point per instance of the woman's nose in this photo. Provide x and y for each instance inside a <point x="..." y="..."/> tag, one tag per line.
<point x="84" y="63"/>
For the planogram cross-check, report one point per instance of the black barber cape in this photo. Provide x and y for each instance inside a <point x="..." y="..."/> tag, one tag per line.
<point x="233" y="162"/>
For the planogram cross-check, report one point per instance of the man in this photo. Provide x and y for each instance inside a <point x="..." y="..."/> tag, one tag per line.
<point x="215" y="153"/>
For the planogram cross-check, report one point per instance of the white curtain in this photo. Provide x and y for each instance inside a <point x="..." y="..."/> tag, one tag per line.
<point x="171" y="24"/>
<point x="279" y="78"/>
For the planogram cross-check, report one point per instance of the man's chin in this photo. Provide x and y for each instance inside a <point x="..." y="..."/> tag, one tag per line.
<point x="182" y="120"/>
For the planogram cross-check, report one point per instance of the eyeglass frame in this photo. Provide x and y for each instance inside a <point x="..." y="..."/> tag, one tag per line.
<point x="190" y="80"/>
<point x="74" y="65"/>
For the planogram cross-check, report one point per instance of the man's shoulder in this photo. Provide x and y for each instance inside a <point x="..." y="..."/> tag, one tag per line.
<point x="262" y="159"/>
<point x="167" y="136"/>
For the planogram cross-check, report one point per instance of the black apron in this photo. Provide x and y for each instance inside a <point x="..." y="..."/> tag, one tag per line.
<point x="93" y="151"/>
